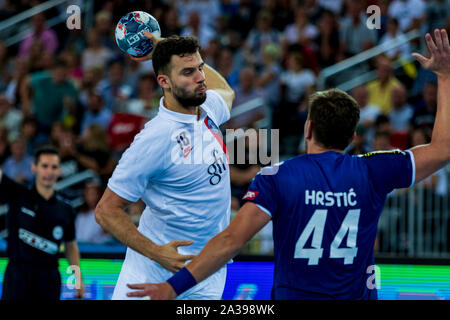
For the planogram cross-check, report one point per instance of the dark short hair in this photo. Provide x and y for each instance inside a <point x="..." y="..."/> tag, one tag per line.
<point x="47" y="149"/>
<point x="334" y="115"/>
<point x="173" y="45"/>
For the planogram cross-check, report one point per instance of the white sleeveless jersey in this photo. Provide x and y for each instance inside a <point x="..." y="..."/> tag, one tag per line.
<point x="178" y="166"/>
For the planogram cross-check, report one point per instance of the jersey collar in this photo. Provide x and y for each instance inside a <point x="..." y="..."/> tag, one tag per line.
<point x="38" y="195"/>
<point x="177" y="116"/>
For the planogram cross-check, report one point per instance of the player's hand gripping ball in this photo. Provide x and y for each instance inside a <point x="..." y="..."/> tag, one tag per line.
<point x="130" y="33"/>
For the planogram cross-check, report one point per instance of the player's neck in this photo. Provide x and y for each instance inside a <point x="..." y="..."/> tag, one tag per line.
<point x="172" y="104"/>
<point x="45" y="192"/>
<point x="313" y="148"/>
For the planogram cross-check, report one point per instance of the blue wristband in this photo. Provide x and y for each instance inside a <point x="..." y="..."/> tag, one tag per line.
<point x="182" y="281"/>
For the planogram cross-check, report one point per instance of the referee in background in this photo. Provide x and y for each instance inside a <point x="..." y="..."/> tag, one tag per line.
<point x="38" y="221"/>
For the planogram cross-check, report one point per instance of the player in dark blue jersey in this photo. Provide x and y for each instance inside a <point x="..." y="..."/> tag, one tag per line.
<point x="325" y="205"/>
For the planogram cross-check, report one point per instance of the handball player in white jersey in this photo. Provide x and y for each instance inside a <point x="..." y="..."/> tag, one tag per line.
<point x="178" y="166"/>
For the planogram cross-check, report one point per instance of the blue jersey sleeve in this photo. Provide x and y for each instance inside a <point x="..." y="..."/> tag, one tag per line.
<point x="262" y="192"/>
<point x="389" y="170"/>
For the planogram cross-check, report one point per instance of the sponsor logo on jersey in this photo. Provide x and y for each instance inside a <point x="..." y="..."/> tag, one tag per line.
<point x="250" y="195"/>
<point x="4" y="208"/>
<point x="37" y="242"/>
<point x="28" y="212"/>
<point x="58" y="232"/>
<point x="375" y="153"/>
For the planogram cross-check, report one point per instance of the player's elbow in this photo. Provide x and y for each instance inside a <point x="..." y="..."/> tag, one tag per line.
<point x="232" y="243"/>
<point x="100" y="213"/>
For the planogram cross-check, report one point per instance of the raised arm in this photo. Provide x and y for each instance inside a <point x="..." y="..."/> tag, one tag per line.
<point x="433" y="156"/>
<point x="214" y="81"/>
<point x="110" y="214"/>
<point x="217" y="252"/>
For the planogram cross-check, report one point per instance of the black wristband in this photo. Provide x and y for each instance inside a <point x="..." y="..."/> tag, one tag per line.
<point x="182" y="281"/>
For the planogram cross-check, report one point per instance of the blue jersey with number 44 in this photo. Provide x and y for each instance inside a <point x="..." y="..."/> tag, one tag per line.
<point x="325" y="209"/>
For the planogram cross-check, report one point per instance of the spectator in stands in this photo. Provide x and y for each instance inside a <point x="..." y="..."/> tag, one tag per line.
<point x="5" y="151"/>
<point x="333" y="5"/>
<point x="46" y="37"/>
<point x="282" y="11"/>
<point x="10" y="117"/>
<point x="244" y="166"/>
<point x="202" y="32"/>
<point x="394" y="33"/>
<point x="438" y="181"/>
<point x="354" y="35"/>
<point x="383" y="124"/>
<point x="402" y="112"/>
<point x="245" y="92"/>
<point x="89" y="82"/>
<point x="95" y="113"/>
<point x="314" y="10"/>
<point x="327" y="40"/>
<point x="30" y="133"/>
<point x="380" y="89"/>
<point x="93" y="152"/>
<point x="74" y="70"/>
<point x="113" y="89"/>
<point x="244" y="17"/>
<point x="18" y="165"/>
<point x="297" y="83"/>
<point x="408" y="13"/>
<point x="51" y="92"/>
<point x="87" y="230"/>
<point x="96" y="54"/>
<point x="296" y="79"/>
<point x="437" y="15"/>
<point x="258" y="37"/>
<point x="6" y="67"/>
<point x="268" y="78"/>
<point x="211" y="53"/>
<point x="368" y="113"/>
<point x="382" y="141"/>
<point x="425" y="110"/>
<point x="170" y="24"/>
<point x="301" y="31"/>
<point x="68" y="153"/>
<point x="227" y="67"/>
<point x="384" y="16"/>
<point x="208" y="11"/>
<point x="146" y="103"/>
<point x="39" y="59"/>
<point x="359" y="143"/>
<point x="104" y="25"/>
<point x="19" y="74"/>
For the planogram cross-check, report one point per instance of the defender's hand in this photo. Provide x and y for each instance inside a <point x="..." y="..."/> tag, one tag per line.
<point x="169" y="258"/>
<point x="439" y="61"/>
<point x="155" y="291"/>
<point x="155" y="40"/>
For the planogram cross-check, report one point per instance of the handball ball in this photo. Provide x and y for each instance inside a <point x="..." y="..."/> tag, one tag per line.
<point x="130" y="33"/>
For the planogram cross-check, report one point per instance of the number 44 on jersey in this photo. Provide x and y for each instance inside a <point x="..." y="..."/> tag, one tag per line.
<point x="316" y="226"/>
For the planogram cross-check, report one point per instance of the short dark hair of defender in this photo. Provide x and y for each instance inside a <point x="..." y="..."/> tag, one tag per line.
<point x="334" y="115"/>
<point x="173" y="45"/>
<point x="45" y="150"/>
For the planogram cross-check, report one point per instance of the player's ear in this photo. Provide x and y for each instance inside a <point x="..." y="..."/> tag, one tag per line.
<point x="352" y="138"/>
<point x="163" y="81"/>
<point x="308" y="130"/>
<point x="33" y="168"/>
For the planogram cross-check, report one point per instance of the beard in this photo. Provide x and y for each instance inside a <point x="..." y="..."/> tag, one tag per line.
<point x="188" y="99"/>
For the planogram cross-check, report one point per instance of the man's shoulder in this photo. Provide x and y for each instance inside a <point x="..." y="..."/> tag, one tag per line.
<point x="381" y="154"/>
<point x="157" y="131"/>
<point x="64" y="202"/>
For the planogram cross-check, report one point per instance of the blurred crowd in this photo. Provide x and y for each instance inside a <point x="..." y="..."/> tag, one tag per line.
<point x="76" y="90"/>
